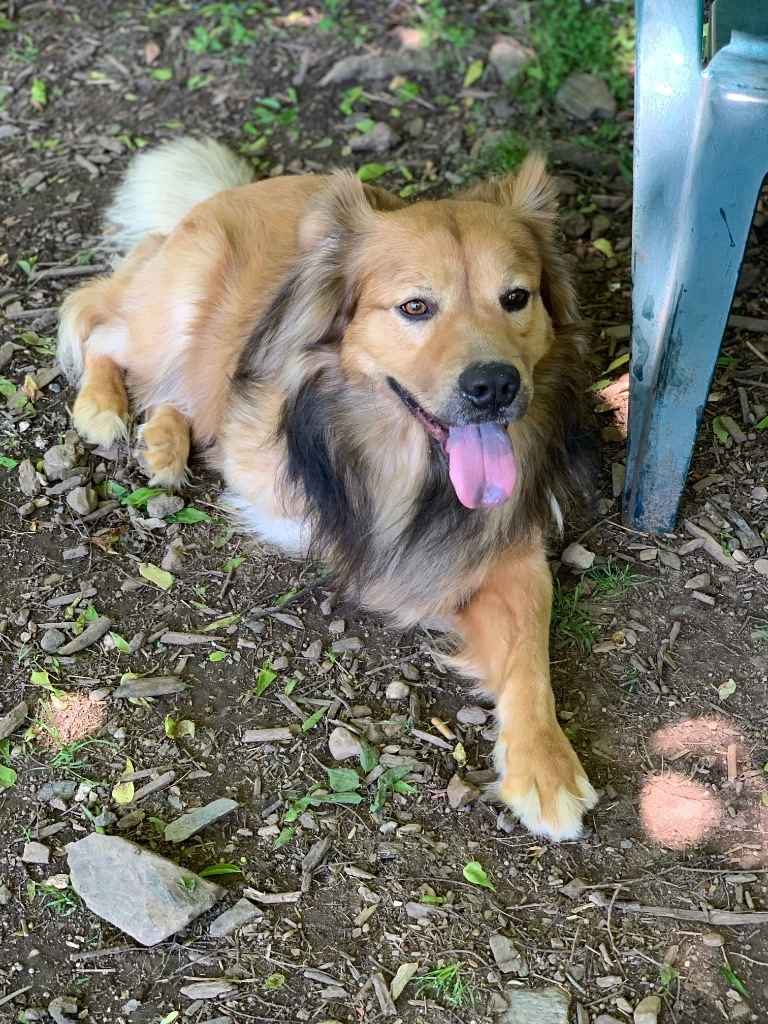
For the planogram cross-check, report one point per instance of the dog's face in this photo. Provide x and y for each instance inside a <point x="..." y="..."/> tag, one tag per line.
<point x="450" y="311"/>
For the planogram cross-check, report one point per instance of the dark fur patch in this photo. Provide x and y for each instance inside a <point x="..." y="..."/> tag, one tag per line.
<point x="328" y="469"/>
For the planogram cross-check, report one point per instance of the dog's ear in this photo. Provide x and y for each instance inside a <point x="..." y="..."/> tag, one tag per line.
<point x="530" y="191"/>
<point x="345" y="207"/>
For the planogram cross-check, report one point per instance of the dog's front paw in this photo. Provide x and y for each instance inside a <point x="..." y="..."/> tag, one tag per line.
<point x="544" y="784"/>
<point x="100" y="422"/>
<point x="162" y="453"/>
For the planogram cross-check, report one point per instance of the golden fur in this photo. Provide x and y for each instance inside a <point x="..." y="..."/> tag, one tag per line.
<point x="267" y="326"/>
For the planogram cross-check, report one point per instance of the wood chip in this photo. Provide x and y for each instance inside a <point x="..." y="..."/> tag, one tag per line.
<point x="715" y="917"/>
<point x="270" y="898"/>
<point x="748" y="323"/>
<point x="711" y="546"/>
<point x="381" y="989"/>
<point x="280" y="734"/>
<point x="93" y="631"/>
<point x="152" y="686"/>
<point x="181" y="639"/>
<point x="731" y="426"/>
<point x="10" y="722"/>
<point x="731" y="758"/>
<point x="155" y="786"/>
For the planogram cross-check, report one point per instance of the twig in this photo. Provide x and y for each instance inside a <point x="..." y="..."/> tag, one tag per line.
<point x="715" y="917"/>
<point x="29" y="314"/>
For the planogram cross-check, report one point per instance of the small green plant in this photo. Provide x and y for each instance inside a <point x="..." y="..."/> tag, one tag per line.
<point x="62" y="902"/>
<point x="220" y="869"/>
<point x="447" y="983"/>
<point x="613" y="579"/>
<point x="569" y="35"/>
<point x="570" y="619"/>
<point x="7" y="774"/>
<point x="188" y="883"/>
<point x="443" y="23"/>
<point x="760" y="633"/>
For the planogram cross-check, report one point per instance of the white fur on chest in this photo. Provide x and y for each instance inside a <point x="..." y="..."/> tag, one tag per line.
<point x="291" y="536"/>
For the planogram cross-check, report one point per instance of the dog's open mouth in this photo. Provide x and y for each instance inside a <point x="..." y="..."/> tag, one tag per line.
<point x="481" y="459"/>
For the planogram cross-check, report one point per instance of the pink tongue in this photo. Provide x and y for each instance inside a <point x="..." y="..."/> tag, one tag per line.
<point x="481" y="464"/>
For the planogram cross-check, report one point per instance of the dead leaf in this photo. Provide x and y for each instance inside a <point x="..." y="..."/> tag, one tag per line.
<point x="151" y="52"/>
<point x="30" y="388"/>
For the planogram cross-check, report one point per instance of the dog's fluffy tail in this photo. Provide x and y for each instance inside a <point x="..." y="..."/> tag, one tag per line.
<point x="163" y="184"/>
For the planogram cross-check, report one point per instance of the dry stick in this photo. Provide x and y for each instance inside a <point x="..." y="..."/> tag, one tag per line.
<point x="715" y="917"/>
<point x="757" y="351"/>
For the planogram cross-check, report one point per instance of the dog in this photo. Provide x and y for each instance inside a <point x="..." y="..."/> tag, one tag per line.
<point x="392" y="388"/>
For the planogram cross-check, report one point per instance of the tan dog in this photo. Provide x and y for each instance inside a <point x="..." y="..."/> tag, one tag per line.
<point x="392" y="388"/>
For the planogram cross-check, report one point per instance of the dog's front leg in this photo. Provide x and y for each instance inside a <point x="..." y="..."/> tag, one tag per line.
<point x="506" y="628"/>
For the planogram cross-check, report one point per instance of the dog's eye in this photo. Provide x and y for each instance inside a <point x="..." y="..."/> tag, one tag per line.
<point x="415" y="308"/>
<point x="514" y="299"/>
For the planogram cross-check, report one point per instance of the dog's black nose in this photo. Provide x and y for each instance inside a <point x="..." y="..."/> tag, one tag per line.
<point x="490" y="386"/>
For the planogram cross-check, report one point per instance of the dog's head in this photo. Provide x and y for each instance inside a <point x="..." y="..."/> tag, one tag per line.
<point x="448" y="307"/>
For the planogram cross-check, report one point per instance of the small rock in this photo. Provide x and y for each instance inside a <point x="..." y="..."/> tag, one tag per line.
<point x="237" y="916"/>
<point x="83" y="500"/>
<point x="343" y="744"/>
<point x="145" y="895"/>
<point x="609" y="981"/>
<point x="370" y="68"/>
<point x="508" y="958"/>
<point x="713" y="939"/>
<point x="608" y="1018"/>
<point x="189" y="824"/>
<point x="314" y="651"/>
<point x="460" y="792"/>
<point x="58" y="460"/>
<point x="422" y="911"/>
<point x="81" y="551"/>
<point x="670" y="559"/>
<point x="414" y="126"/>
<point x="574" y="225"/>
<point x="5" y="895"/>
<point x="8" y="347"/>
<point x="760" y="493"/>
<point x="404" y="974"/>
<point x="174" y="558"/>
<point x="472" y="714"/>
<point x="508" y="57"/>
<point x="379" y="139"/>
<point x="35" y="853"/>
<point x="51" y="640"/>
<point x="397" y="690"/>
<point x="599" y="226"/>
<point x="28" y="482"/>
<point x="409" y="672"/>
<point x="699" y="582"/>
<point x="62" y="1009"/>
<point x="583" y="96"/>
<point x="537" y="1006"/>
<point x="761" y="566"/>
<point x="164" y="505"/>
<point x="350" y="643"/>
<point x="209" y="989"/>
<point x="647" y="1010"/>
<point x="573" y="889"/>
<point x="577" y="557"/>
<point x="63" y="789"/>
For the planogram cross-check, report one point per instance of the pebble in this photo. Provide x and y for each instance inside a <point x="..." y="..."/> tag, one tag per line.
<point x="62" y="1009"/>
<point x="409" y="672"/>
<point x="573" y="889"/>
<point x="241" y="914"/>
<point x="397" y="690"/>
<point x="583" y="96"/>
<point x="164" y="505"/>
<point x="63" y="789"/>
<point x="761" y="566"/>
<point x="380" y="139"/>
<point x="58" y="460"/>
<point x="760" y="493"/>
<point x="670" y="559"/>
<point x="577" y="557"/>
<point x="460" y="792"/>
<point x="537" y="1006"/>
<point x="5" y="895"/>
<point x="600" y="224"/>
<point x="108" y="872"/>
<point x="472" y="714"/>
<point x="647" y="1010"/>
<point x="699" y="582"/>
<point x="713" y="939"/>
<point x="372" y="68"/>
<point x="607" y="1018"/>
<point x="35" y="853"/>
<point x="314" y="651"/>
<point x="508" y="57"/>
<point x="208" y="989"/>
<point x="174" y="557"/>
<point x="28" y="482"/>
<point x="343" y="744"/>
<point x="574" y="225"/>
<point x="83" y="500"/>
<point x="350" y="643"/>
<point x="609" y="981"/>
<point x="51" y="640"/>
<point x="508" y="958"/>
<point x="337" y="627"/>
<point x="189" y="824"/>
<point x="69" y="554"/>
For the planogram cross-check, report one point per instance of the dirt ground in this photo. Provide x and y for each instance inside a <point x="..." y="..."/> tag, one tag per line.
<point x="659" y="651"/>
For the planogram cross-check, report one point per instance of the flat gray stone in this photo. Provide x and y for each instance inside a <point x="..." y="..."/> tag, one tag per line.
<point x="83" y="500"/>
<point x="58" y="460"/>
<point x="151" y="686"/>
<point x="583" y="96"/>
<point x="343" y="744"/>
<point x="144" y="895"/>
<point x="537" y="1006"/>
<point x="509" y="57"/>
<point x="64" y="789"/>
<point x="236" y="917"/>
<point x="164" y="505"/>
<point x="508" y="958"/>
<point x="51" y="640"/>
<point x="380" y="139"/>
<point x="371" y="68"/>
<point x="28" y="482"/>
<point x="188" y="824"/>
<point x="35" y="853"/>
<point x="460" y="792"/>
